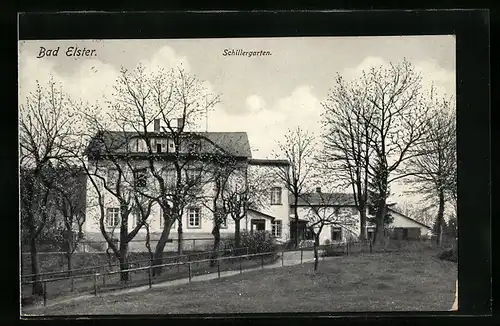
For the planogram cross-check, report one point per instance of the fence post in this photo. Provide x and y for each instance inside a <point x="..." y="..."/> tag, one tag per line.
<point x="44" y="293"/>
<point x="149" y="276"/>
<point x="189" y="271"/>
<point x="103" y="276"/>
<point x="301" y="254"/>
<point x="240" y="266"/>
<point x="218" y="268"/>
<point x="95" y="282"/>
<point x="282" y="258"/>
<point x="371" y="250"/>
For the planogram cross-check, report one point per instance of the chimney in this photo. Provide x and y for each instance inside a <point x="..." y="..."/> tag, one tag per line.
<point x="157" y="125"/>
<point x="180" y="123"/>
<point x="318" y="190"/>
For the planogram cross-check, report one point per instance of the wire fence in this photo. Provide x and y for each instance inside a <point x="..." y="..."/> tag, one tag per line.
<point x="188" y="244"/>
<point x="141" y="273"/>
<point x="97" y="280"/>
<point x="138" y="263"/>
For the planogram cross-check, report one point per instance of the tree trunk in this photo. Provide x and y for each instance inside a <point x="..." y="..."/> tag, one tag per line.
<point x="362" y="220"/>
<point x="440" y="218"/>
<point x="216" y="234"/>
<point x="316" y="256"/>
<point x="160" y="247"/>
<point x="296" y="212"/>
<point x="123" y="261"/>
<point x="69" y="262"/>
<point x="237" y="239"/>
<point x="37" y="288"/>
<point x="179" y="236"/>
<point x="379" y="222"/>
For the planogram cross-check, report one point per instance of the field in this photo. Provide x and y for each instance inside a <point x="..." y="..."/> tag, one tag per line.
<point x="399" y="281"/>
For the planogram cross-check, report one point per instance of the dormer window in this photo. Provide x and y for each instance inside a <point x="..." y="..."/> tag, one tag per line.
<point x="194" y="147"/>
<point x="140" y="178"/>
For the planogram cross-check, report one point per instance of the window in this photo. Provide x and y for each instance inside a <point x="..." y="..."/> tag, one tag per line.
<point x="336" y="234"/>
<point x="192" y="176"/>
<point x="140" y="177"/>
<point x="171" y="146"/>
<point x="276" y="196"/>
<point x="112" y="177"/>
<point x="136" y="213"/>
<point x="161" y="145"/>
<point x="113" y="217"/>
<point x="194" y="147"/>
<point x="276" y="228"/>
<point x="194" y="217"/>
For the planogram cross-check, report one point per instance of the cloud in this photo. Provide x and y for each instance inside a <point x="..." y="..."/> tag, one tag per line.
<point x="268" y="124"/>
<point x="444" y="80"/>
<point x="165" y="58"/>
<point x="92" y="80"/>
<point x="255" y="103"/>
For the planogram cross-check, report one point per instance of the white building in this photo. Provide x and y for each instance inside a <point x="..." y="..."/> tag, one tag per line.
<point x="274" y="214"/>
<point x="197" y="220"/>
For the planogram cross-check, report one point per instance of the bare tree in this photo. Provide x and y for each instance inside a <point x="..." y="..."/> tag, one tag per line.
<point x="298" y="149"/>
<point x="117" y="179"/>
<point x="249" y="189"/>
<point x="434" y="171"/>
<point x="346" y="139"/>
<point x="326" y="209"/>
<point x="220" y="175"/>
<point x="44" y="128"/>
<point x="399" y="124"/>
<point x="69" y="192"/>
<point x="177" y="100"/>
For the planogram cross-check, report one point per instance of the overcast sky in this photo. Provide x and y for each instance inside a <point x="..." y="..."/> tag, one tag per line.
<point x="263" y="96"/>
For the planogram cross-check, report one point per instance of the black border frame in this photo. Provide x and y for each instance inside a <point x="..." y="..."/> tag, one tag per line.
<point x="471" y="28"/>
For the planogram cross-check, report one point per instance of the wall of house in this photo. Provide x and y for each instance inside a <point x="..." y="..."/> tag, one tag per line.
<point x="267" y="177"/>
<point x="93" y="213"/>
<point x="347" y="218"/>
<point x="401" y="221"/>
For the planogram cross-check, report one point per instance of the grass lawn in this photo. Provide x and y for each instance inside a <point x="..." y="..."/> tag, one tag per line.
<point x="369" y="282"/>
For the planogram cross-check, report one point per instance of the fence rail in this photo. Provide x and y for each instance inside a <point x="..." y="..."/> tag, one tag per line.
<point x="337" y="248"/>
<point x="189" y="264"/>
<point x="71" y="271"/>
<point x="83" y="246"/>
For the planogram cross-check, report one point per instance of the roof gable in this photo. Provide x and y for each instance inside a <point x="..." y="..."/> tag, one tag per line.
<point x="234" y="143"/>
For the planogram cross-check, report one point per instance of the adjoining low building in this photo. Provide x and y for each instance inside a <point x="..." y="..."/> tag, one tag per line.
<point x="347" y="226"/>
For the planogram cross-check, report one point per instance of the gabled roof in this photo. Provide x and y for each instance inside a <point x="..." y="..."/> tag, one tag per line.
<point x="234" y="143"/>
<point x="409" y="218"/>
<point x="323" y="199"/>
<point x="262" y="214"/>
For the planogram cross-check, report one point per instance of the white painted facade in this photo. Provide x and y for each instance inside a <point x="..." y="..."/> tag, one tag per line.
<point x="350" y="227"/>
<point x="270" y="213"/>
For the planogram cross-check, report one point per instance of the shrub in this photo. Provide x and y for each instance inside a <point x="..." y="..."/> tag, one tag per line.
<point x="449" y="254"/>
<point x="258" y="241"/>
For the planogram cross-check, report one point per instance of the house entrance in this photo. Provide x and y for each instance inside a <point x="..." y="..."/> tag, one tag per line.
<point x="303" y="232"/>
<point x="257" y="225"/>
